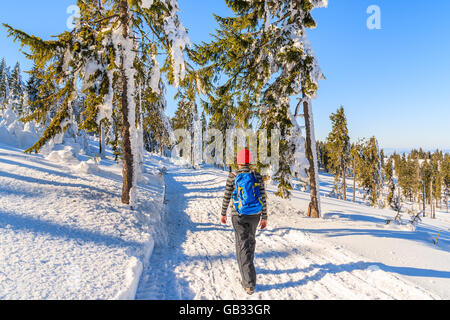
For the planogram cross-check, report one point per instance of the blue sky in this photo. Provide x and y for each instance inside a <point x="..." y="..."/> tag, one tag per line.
<point x="394" y="83"/>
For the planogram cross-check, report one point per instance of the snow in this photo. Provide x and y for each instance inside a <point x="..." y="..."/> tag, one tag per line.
<point x="155" y="77"/>
<point x="146" y="4"/>
<point x="349" y="254"/>
<point x="64" y="232"/>
<point x="178" y="39"/>
<point x="65" y="235"/>
<point x="15" y="133"/>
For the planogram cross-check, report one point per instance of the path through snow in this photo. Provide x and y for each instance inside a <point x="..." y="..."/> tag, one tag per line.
<point x="198" y="260"/>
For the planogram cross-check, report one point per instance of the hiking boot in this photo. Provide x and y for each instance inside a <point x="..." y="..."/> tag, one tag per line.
<point x="249" y="290"/>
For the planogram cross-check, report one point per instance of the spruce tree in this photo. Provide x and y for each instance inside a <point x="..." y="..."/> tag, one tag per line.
<point x="4" y="84"/>
<point x="356" y="164"/>
<point x="189" y="114"/>
<point x="370" y="170"/>
<point x="389" y="171"/>
<point x="32" y="88"/>
<point x="184" y="120"/>
<point x="435" y="162"/>
<point x="445" y="173"/>
<point x="16" y="87"/>
<point x="323" y="155"/>
<point x="427" y="182"/>
<point x="408" y="178"/>
<point x="338" y="145"/>
<point x="101" y="53"/>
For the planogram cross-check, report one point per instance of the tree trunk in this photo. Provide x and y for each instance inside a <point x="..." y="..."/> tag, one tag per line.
<point x="354" y="181"/>
<point x="102" y="144"/>
<point x="100" y="138"/>
<point x="424" y="199"/>
<point x="436" y="207"/>
<point x="344" y="182"/>
<point x="127" y="152"/>
<point x="446" y="201"/>
<point x="431" y="198"/>
<point x="312" y="158"/>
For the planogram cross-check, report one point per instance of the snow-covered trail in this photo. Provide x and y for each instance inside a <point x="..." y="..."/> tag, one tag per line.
<point x="198" y="259"/>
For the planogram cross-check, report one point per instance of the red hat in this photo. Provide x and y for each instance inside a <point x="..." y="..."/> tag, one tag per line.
<point x="244" y="157"/>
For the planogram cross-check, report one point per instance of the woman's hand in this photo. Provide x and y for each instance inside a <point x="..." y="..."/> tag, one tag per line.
<point x="263" y="224"/>
<point x="223" y="219"/>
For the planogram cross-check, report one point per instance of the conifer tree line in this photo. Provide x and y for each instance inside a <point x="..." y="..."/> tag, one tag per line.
<point x="108" y="76"/>
<point x="14" y="92"/>
<point x="417" y="177"/>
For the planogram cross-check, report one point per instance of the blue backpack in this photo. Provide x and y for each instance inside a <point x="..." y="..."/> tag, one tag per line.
<point x="247" y="195"/>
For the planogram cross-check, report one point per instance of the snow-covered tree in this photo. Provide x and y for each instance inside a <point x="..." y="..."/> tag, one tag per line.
<point x="16" y="87"/>
<point x="4" y="85"/>
<point x="265" y="55"/>
<point x="188" y="116"/>
<point x="101" y="53"/>
<point x="32" y="90"/>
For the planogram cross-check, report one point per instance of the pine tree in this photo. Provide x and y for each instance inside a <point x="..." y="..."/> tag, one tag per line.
<point x="32" y="89"/>
<point x="356" y="163"/>
<point x="183" y="119"/>
<point x="4" y="85"/>
<point x="435" y="162"/>
<point x="389" y="171"/>
<point x="427" y="181"/>
<point x="16" y="87"/>
<point x="370" y="170"/>
<point x="445" y="173"/>
<point x="188" y="110"/>
<point x="222" y="121"/>
<point x="338" y="145"/>
<point x="408" y="177"/>
<point x="101" y="54"/>
<point x="322" y="152"/>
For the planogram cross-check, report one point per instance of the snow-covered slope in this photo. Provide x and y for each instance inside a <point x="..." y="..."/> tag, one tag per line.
<point x="64" y="233"/>
<point x="350" y="254"/>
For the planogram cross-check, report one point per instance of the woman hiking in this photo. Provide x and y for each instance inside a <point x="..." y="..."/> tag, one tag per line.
<point x="246" y="188"/>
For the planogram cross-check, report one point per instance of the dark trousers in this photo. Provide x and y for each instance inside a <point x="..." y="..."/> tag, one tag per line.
<point x="245" y="232"/>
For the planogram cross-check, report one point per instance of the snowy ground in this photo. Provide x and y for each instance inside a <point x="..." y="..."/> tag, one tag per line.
<point x="350" y="254"/>
<point x="64" y="233"/>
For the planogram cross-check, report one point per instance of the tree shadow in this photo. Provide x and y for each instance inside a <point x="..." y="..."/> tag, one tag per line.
<point x="422" y="235"/>
<point x="329" y="268"/>
<point x="48" y="171"/>
<point x="23" y="223"/>
<point x="37" y="158"/>
<point x="52" y="183"/>
<point x="354" y="216"/>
